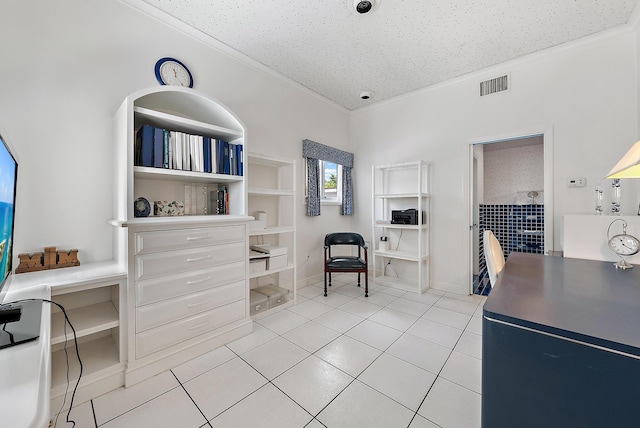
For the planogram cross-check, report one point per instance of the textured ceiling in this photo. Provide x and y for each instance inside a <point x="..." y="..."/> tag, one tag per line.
<point x="401" y="46"/>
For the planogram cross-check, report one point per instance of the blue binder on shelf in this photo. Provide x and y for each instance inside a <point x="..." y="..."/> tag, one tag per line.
<point x="225" y="158"/>
<point x="145" y="145"/>
<point x="206" y="152"/>
<point x="158" y="150"/>
<point x="232" y="159"/>
<point x="239" y="159"/>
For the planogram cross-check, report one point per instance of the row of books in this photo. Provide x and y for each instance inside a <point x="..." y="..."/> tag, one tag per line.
<point x="162" y="148"/>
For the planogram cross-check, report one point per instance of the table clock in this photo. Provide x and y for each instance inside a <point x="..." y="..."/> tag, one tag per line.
<point x="622" y="244"/>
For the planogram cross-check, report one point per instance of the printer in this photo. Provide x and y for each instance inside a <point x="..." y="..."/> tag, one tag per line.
<point x="408" y="216"/>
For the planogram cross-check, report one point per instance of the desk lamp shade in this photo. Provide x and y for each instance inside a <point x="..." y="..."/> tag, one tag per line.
<point x="629" y="165"/>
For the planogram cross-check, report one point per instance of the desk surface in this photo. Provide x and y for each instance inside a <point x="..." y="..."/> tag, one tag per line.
<point x="585" y="300"/>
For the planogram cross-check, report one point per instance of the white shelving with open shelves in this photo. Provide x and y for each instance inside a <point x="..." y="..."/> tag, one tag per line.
<point x="91" y="295"/>
<point x="403" y="262"/>
<point x="175" y="109"/>
<point x="271" y="190"/>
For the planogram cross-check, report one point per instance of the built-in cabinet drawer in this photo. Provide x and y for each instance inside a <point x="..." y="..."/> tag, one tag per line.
<point x="162" y="337"/>
<point x="179" y="239"/>
<point x="168" y="287"/>
<point x="187" y="283"/>
<point x="170" y="262"/>
<point x="154" y="315"/>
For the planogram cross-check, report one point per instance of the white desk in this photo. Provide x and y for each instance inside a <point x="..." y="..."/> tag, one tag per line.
<point x="25" y="369"/>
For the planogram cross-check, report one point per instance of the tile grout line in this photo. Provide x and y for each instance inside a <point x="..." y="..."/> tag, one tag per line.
<point x="93" y="413"/>
<point x="192" y="400"/>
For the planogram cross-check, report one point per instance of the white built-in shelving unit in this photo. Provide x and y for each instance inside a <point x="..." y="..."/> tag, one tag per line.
<point x="187" y="275"/>
<point x="404" y="262"/>
<point x="91" y="295"/>
<point x="271" y="195"/>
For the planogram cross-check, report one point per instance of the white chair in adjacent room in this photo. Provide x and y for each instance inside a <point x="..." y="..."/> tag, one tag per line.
<point x="493" y="256"/>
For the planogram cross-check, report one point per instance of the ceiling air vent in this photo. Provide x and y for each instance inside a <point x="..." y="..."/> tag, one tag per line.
<point x="492" y="86"/>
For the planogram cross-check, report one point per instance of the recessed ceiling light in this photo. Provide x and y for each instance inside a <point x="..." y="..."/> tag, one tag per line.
<point x="363" y="7"/>
<point x="365" y="95"/>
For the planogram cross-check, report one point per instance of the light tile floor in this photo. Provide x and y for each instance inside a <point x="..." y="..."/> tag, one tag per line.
<point x="394" y="359"/>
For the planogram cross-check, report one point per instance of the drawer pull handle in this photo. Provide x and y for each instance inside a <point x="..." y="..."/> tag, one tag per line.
<point x="198" y="281"/>
<point x="197" y="238"/>
<point x="197" y="259"/>
<point x="193" y="305"/>
<point x="199" y="326"/>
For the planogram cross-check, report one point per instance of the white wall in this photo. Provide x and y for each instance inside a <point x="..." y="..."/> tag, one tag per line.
<point x="586" y="94"/>
<point x="67" y="66"/>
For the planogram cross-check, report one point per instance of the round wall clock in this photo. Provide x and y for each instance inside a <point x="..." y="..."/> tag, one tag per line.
<point x="170" y="71"/>
<point x="623" y="244"/>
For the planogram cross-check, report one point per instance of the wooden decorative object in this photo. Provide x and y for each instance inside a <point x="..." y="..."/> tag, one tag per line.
<point x="50" y="259"/>
<point x="30" y="263"/>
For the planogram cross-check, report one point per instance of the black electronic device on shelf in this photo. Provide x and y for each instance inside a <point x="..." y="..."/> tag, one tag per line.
<point x="20" y="321"/>
<point x="408" y="216"/>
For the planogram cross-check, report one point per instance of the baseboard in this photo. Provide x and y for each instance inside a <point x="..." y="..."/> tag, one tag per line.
<point x="449" y="288"/>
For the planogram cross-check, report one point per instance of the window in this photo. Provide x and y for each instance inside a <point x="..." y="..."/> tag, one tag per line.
<point x="331" y="188"/>
<point x="328" y="177"/>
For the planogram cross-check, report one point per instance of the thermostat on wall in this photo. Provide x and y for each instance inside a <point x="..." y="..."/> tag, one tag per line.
<point x="577" y="182"/>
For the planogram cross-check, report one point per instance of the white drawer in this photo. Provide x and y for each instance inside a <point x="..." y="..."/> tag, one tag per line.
<point x="154" y="315"/>
<point x="162" y="337"/>
<point x="170" y="262"/>
<point x="178" y="239"/>
<point x="167" y="287"/>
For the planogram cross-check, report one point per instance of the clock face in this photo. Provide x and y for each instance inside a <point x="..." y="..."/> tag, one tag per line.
<point x="170" y="71"/>
<point x="624" y="245"/>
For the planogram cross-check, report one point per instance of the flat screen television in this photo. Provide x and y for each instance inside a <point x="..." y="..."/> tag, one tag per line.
<point x="8" y="182"/>
<point x="19" y="320"/>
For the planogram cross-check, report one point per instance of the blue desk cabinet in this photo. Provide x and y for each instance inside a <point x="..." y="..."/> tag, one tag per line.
<point x="561" y="345"/>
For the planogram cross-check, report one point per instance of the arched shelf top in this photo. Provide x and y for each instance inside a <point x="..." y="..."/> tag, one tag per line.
<point x="186" y="103"/>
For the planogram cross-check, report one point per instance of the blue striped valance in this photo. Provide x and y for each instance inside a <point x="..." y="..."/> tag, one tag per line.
<point x="313" y="150"/>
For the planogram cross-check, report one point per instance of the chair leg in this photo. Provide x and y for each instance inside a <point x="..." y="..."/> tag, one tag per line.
<point x="325" y="284"/>
<point x="366" y="284"/>
<point x="329" y="279"/>
<point x="358" y="279"/>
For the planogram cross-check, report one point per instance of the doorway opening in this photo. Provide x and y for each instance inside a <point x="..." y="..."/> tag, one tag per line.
<point x="510" y="195"/>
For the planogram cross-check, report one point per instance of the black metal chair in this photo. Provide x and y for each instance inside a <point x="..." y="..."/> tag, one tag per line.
<point x="345" y="264"/>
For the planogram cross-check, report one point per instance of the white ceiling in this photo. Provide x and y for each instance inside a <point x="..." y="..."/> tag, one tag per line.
<point x="401" y="46"/>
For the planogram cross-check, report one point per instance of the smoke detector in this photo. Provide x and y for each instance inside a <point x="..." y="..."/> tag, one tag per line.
<point x="363" y="7"/>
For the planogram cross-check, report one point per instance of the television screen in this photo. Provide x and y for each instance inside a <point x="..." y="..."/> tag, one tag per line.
<point x="8" y="175"/>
